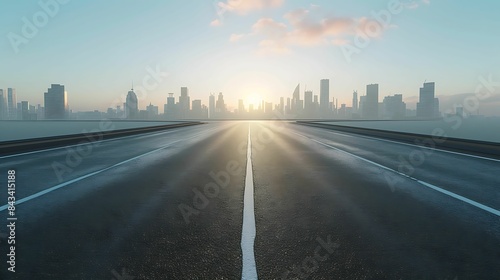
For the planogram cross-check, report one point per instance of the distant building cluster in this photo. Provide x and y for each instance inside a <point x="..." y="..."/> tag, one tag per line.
<point x="312" y="106"/>
<point x="366" y="107"/>
<point x="172" y="110"/>
<point x="55" y="105"/>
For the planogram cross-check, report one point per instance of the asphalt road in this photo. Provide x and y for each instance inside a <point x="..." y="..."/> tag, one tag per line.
<point x="178" y="205"/>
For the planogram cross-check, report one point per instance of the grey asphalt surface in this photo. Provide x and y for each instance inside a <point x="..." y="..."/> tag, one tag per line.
<point x="169" y="205"/>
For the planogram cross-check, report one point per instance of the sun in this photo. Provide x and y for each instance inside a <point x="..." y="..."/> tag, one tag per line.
<point x="253" y="99"/>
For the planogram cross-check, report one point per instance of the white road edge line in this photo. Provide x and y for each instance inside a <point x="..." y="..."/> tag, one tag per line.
<point x="417" y="146"/>
<point x="56" y="187"/>
<point x="89" y="143"/>
<point x="429" y="185"/>
<point x="249" y="271"/>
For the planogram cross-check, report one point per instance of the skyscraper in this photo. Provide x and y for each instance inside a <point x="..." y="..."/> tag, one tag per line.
<point x="296" y="107"/>
<point x="196" y="109"/>
<point x="394" y="107"/>
<point x="12" y="103"/>
<point x="184" y="103"/>
<point x="324" y="97"/>
<point x="131" y="105"/>
<point x="296" y="93"/>
<point x="4" y="109"/>
<point x="19" y="111"/>
<point x="211" y="106"/>
<point x="56" y="102"/>
<point x="288" y="109"/>
<point x="169" y="108"/>
<point x="428" y="105"/>
<point x="355" y="101"/>
<point x="282" y="105"/>
<point x="308" y="100"/>
<point x="220" y="106"/>
<point x="308" y="103"/>
<point x="370" y="106"/>
<point x="24" y="110"/>
<point x="362" y="101"/>
<point x="152" y="111"/>
<point x="40" y="112"/>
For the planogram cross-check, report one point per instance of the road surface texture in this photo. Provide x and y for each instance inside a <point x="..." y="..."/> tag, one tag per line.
<point x="237" y="200"/>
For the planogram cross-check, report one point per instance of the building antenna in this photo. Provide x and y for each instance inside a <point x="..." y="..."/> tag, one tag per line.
<point x="132" y="85"/>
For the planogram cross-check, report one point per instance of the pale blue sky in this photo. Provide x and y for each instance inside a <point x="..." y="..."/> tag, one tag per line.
<point x="96" y="48"/>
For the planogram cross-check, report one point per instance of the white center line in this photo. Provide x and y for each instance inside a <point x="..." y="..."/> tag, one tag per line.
<point x="249" y="270"/>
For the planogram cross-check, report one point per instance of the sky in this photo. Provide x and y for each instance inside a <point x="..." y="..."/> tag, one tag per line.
<point x="247" y="49"/>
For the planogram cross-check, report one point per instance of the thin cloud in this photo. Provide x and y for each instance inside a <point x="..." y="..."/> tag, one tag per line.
<point x="415" y="4"/>
<point x="270" y="28"/>
<point x="274" y="36"/>
<point x="305" y="27"/>
<point x="236" y="37"/>
<point x="216" y="22"/>
<point x="245" y="6"/>
<point x="307" y="30"/>
<point x="242" y="7"/>
<point x="340" y="42"/>
<point x="267" y="47"/>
